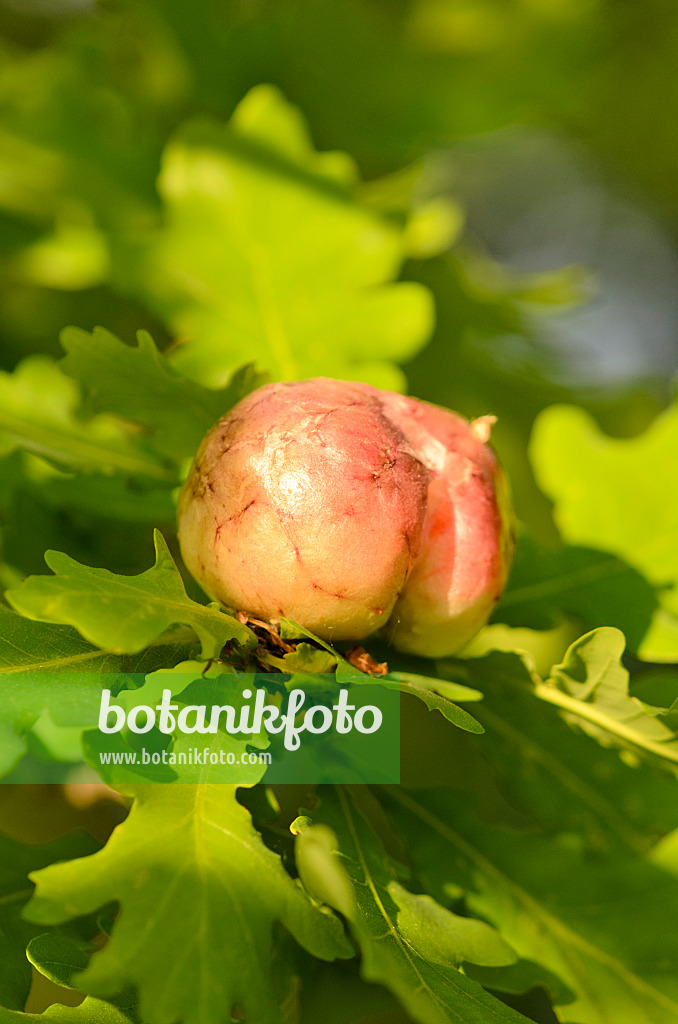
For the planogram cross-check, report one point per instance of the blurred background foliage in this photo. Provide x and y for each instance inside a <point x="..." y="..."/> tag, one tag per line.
<point x="472" y="200"/>
<point x="518" y="158"/>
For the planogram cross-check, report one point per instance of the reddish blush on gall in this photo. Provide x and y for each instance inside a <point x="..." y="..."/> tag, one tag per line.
<point x="348" y="509"/>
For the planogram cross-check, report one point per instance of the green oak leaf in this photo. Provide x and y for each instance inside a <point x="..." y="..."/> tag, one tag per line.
<point x="91" y="1011"/>
<point x="440" y="695"/>
<point x="600" y="923"/>
<point x="436" y="694"/>
<point x="27" y="645"/>
<point x="50" y="669"/>
<point x="216" y="691"/>
<point x="305" y="658"/>
<point x="139" y="384"/>
<point x="17" y="861"/>
<point x="616" y="495"/>
<point x="539" y="648"/>
<point x="409" y="942"/>
<point x="521" y="977"/>
<point x="199" y="894"/>
<point x="591" y="689"/>
<point x="592" y="685"/>
<point x="189" y="685"/>
<point x="70" y="700"/>
<point x="124" y="613"/>
<point x="290" y="630"/>
<point x="39" y="411"/>
<point x="267" y="250"/>
<point x="533" y="769"/>
<point x="114" y="758"/>
<point x="59" y="958"/>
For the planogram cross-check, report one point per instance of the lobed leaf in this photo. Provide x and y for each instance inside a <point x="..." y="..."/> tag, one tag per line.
<point x="439" y="695"/>
<point x="91" y="1011"/>
<point x="593" y="685"/>
<point x="59" y="958"/>
<point x="17" y="862"/>
<point x="124" y="614"/>
<point x="618" y="496"/>
<point x="408" y="942"/>
<point x="190" y="684"/>
<point x="199" y="894"/>
<point x="47" y="669"/>
<point x="600" y="924"/>
<point x="139" y="384"/>
<point x="39" y="412"/>
<point x="436" y="694"/>
<point x="533" y="770"/>
<point x="266" y="249"/>
<point x="591" y="690"/>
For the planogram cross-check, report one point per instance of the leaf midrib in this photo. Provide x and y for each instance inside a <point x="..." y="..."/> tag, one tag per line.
<point x="141" y="594"/>
<point x="401" y="942"/>
<point x="584" y="709"/>
<point x="551" y="925"/>
<point x="72" y="659"/>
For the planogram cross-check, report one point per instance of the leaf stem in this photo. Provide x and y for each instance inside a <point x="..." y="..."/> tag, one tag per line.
<point x="550" y="693"/>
